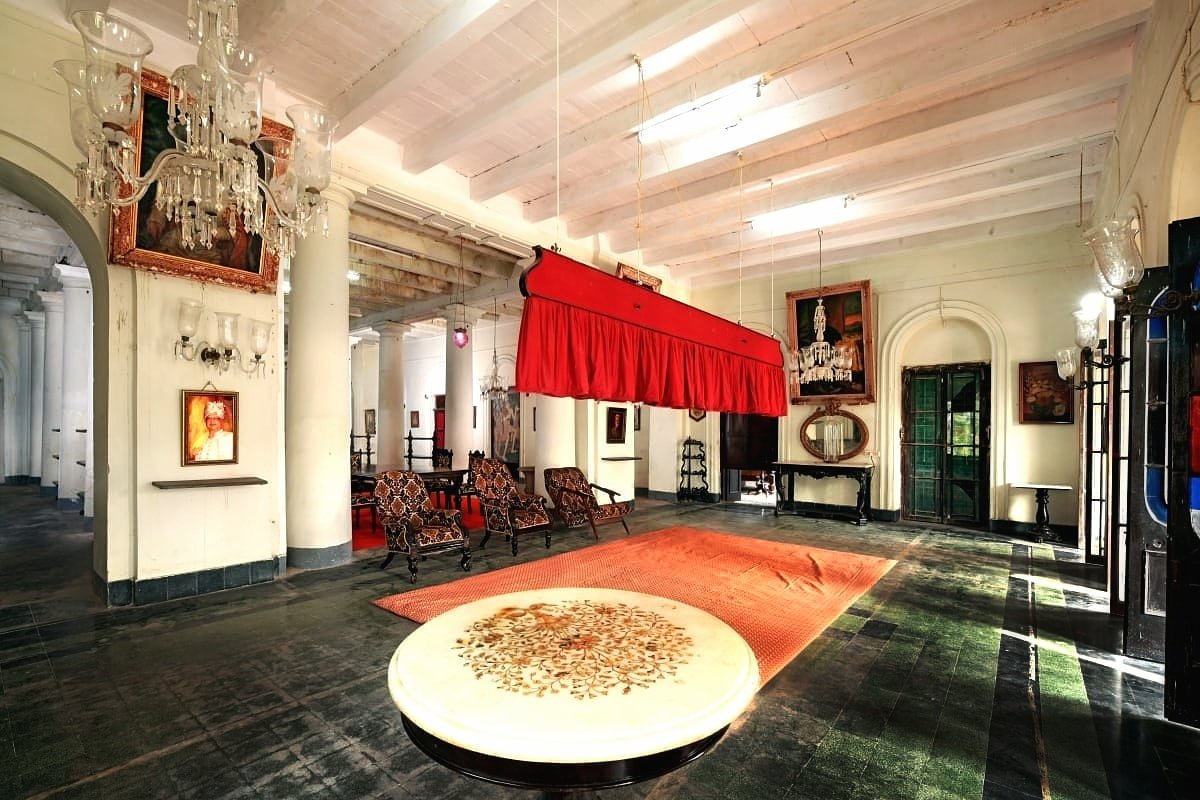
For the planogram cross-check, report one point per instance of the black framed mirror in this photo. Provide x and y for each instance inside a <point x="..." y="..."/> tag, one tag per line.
<point x="833" y="434"/>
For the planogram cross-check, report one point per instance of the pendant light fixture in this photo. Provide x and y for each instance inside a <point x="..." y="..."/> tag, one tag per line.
<point x="461" y="337"/>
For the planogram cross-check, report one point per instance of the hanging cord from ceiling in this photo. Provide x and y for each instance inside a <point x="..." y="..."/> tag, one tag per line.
<point x="643" y="99"/>
<point x="741" y="224"/>
<point x="1080" y="224"/>
<point x="557" y="128"/>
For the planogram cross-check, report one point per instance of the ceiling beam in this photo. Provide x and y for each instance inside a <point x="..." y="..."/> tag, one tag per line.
<point x="597" y="51"/>
<point x="432" y="249"/>
<point x="779" y="56"/>
<point x="861" y="175"/>
<point x="838" y="125"/>
<point x="428" y="274"/>
<point x="501" y="291"/>
<point x="447" y="37"/>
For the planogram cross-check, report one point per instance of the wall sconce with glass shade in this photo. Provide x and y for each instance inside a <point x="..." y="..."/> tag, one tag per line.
<point x="1087" y="339"/>
<point x="225" y="350"/>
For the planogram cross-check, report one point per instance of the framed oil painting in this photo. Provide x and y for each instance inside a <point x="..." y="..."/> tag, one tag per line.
<point x="614" y="426"/>
<point x="506" y="427"/>
<point x="842" y="368"/>
<point x="142" y="237"/>
<point x="1045" y="397"/>
<point x="210" y="427"/>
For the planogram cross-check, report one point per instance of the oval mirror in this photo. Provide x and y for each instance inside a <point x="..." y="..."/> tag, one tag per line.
<point x="832" y="434"/>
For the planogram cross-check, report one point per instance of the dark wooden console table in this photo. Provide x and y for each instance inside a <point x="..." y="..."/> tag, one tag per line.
<point x="815" y="469"/>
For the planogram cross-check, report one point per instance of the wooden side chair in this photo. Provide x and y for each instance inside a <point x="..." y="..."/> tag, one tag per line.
<point x="411" y="525"/>
<point x="506" y="509"/>
<point x="445" y="489"/>
<point x="575" y="503"/>
<point x="467" y="489"/>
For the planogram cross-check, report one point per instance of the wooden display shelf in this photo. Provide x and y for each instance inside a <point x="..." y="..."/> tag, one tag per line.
<point x="205" y="483"/>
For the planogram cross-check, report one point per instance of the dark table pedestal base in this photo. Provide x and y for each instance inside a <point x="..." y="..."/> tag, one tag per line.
<point x="574" y="781"/>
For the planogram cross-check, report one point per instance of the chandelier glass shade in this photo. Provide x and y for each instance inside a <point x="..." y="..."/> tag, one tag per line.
<point x="212" y="177"/>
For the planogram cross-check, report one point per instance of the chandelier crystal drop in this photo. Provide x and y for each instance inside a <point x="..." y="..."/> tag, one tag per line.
<point x="212" y="179"/>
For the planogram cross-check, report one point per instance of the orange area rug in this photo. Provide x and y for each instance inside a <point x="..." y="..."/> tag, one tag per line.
<point x="778" y="597"/>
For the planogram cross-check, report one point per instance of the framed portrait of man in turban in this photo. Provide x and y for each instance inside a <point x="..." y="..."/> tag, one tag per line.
<point x="210" y="427"/>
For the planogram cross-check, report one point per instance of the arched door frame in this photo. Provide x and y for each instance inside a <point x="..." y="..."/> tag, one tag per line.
<point x="892" y="405"/>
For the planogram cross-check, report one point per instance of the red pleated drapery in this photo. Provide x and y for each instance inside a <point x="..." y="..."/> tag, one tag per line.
<point x="587" y="334"/>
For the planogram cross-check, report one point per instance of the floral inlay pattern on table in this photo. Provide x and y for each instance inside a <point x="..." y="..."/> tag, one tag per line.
<point x="584" y="648"/>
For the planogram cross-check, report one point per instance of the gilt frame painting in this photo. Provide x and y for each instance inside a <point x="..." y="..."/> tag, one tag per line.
<point x="141" y="237"/>
<point x="850" y="332"/>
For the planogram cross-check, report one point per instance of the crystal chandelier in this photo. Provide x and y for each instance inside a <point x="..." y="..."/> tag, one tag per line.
<point x="493" y="385"/>
<point x="820" y="360"/>
<point x="211" y="179"/>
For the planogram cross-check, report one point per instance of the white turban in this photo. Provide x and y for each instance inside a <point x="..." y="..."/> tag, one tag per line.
<point x="214" y="408"/>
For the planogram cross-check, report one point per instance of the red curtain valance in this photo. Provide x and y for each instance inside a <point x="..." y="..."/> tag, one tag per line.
<point x="587" y="334"/>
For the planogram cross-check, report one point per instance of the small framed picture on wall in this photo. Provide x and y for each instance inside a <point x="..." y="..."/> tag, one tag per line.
<point x="210" y="427"/>
<point x="1044" y="397"/>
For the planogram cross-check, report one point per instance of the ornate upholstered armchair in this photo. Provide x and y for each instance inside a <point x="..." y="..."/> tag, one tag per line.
<point x="506" y="509"/>
<point x="575" y="504"/>
<point x="412" y="525"/>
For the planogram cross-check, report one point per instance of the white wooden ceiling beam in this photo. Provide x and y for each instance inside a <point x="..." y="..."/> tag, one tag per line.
<point x="863" y="175"/>
<point x="426" y="274"/>
<point x="841" y="253"/>
<point x="885" y="206"/>
<point x="447" y="37"/>
<point x="776" y="58"/>
<point x="1062" y="194"/>
<point x="1046" y="83"/>
<point x="374" y="230"/>
<point x="598" y="50"/>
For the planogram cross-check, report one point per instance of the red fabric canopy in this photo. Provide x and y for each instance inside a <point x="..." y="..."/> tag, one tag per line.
<point x="588" y="334"/>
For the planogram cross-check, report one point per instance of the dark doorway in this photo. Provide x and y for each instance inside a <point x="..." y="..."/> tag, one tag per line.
<point x="944" y="444"/>
<point x="749" y="443"/>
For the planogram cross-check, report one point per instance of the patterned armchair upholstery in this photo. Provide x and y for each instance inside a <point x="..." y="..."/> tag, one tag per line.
<point x="412" y="525"/>
<point x="575" y="504"/>
<point x="506" y="509"/>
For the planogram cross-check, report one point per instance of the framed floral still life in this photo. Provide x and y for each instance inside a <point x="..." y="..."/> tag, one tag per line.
<point x="832" y="344"/>
<point x="1045" y="397"/>
<point x="210" y="427"/>
<point x="141" y="236"/>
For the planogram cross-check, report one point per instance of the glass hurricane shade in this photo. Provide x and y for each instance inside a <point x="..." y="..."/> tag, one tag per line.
<point x="227" y="324"/>
<point x="1066" y="363"/>
<point x="260" y="337"/>
<point x="189" y="317"/>
<point x="313" y="153"/>
<point x="461" y="337"/>
<point x="113" y="51"/>
<point x="1087" y="330"/>
<point x="1118" y="260"/>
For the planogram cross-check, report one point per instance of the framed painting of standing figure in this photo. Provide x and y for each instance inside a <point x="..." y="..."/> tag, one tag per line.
<point x="831" y="344"/>
<point x="210" y="427"/>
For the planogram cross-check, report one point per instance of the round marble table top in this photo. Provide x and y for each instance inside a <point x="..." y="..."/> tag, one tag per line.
<point x="572" y="675"/>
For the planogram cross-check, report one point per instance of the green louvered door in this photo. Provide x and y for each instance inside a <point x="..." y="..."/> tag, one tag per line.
<point x="944" y="444"/>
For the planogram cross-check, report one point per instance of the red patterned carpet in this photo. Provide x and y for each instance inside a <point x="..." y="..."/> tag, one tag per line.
<point x="365" y="536"/>
<point x="778" y="597"/>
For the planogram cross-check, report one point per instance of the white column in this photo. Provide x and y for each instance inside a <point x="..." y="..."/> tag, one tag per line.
<point x="555" y="437"/>
<point x="52" y="394"/>
<point x="77" y="354"/>
<point x="364" y="391"/>
<point x="21" y="420"/>
<point x="37" y="391"/>
<point x="10" y="387"/>
<point x="460" y="384"/>
<point x="391" y="416"/>
<point x="317" y="417"/>
<point x="89" y="451"/>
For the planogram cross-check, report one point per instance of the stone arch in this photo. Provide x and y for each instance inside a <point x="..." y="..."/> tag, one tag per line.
<point x="47" y="183"/>
<point x="891" y="405"/>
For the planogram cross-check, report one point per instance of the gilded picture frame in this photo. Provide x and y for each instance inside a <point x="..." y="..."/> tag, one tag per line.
<point x="142" y="238"/>
<point x="209" y="427"/>
<point x="849" y="329"/>
<point x="614" y="425"/>
<point x="506" y="427"/>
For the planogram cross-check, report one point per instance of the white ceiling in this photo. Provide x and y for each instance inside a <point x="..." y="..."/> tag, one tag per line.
<point x="905" y="123"/>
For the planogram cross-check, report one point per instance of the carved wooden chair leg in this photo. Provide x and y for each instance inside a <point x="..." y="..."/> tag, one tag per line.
<point x="487" y="534"/>
<point x="547" y="537"/>
<point x="512" y="537"/>
<point x="412" y="566"/>
<point x="595" y="533"/>
<point x="465" y="563"/>
<point x="623" y="525"/>
<point x="391" y="554"/>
